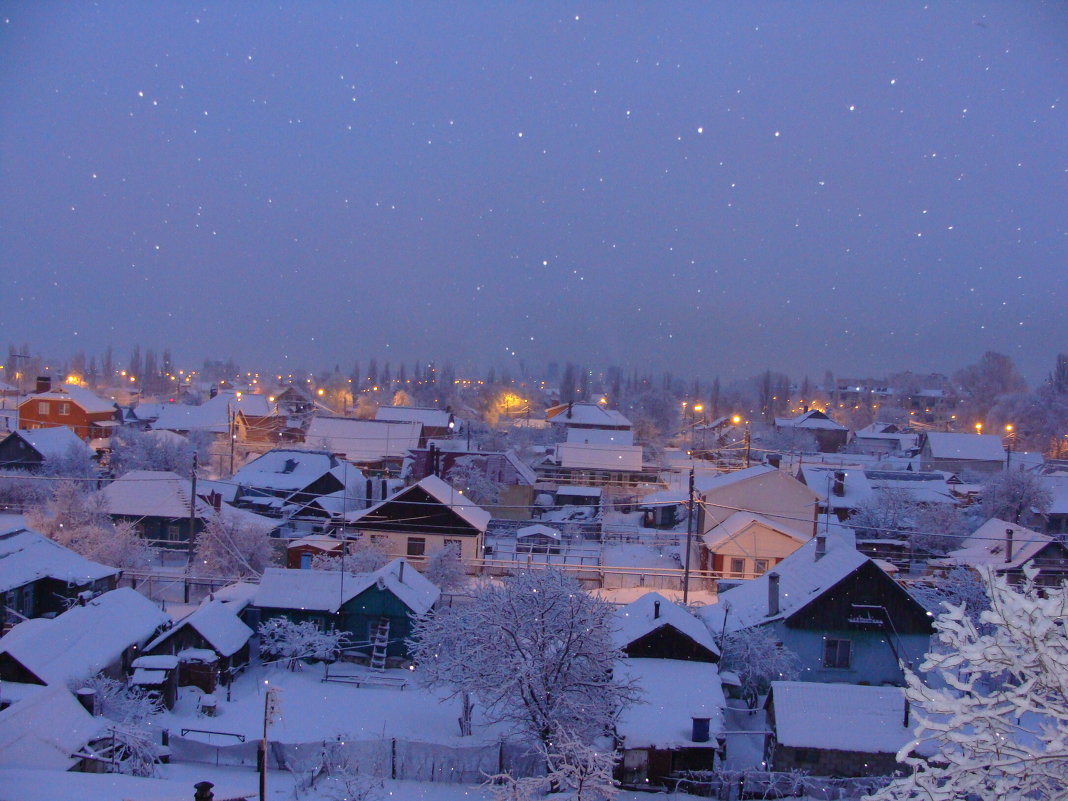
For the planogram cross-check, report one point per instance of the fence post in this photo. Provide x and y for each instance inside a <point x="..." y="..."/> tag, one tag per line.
<point x="393" y="757"/>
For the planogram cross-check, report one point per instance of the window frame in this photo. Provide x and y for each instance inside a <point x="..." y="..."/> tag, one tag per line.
<point x="834" y="661"/>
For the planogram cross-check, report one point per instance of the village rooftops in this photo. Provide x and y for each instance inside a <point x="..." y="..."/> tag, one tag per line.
<point x="838" y="488"/>
<point x="364" y="440"/>
<point x="26" y="556"/>
<point x="329" y="590"/>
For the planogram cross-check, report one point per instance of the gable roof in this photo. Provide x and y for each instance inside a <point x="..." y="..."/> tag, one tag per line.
<point x="813" y="419"/>
<point x="639" y="618"/>
<point x="840" y="717"/>
<point x="26" y="556"/>
<point x="974" y="447"/>
<point x="51" y="442"/>
<point x="739" y="522"/>
<point x="85" y="639"/>
<point x="987" y="546"/>
<point x="329" y="590"/>
<point x="217" y="622"/>
<point x="364" y="440"/>
<point x="706" y="482"/>
<point x="45" y="729"/>
<point x="291" y="469"/>
<point x="802" y="578"/>
<point x="89" y="401"/>
<point x="151" y="493"/>
<point x="821" y="480"/>
<point x="586" y="414"/>
<point x="475" y="516"/>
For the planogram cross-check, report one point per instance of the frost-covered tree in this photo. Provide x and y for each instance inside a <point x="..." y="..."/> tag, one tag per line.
<point x="791" y="440"/>
<point x="75" y="463"/>
<point x="1011" y="494"/>
<point x="131" y="710"/>
<point x="757" y="659"/>
<point x="132" y="449"/>
<point x="445" y="568"/>
<point x="535" y="650"/>
<point x="284" y="640"/>
<point x="961" y="586"/>
<point x="234" y="547"/>
<point x="996" y="725"/>
<point x="886" y="514"/>
<point x="468" y="474"/>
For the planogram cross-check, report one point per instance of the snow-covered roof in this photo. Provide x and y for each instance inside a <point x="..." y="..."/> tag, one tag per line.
<point x="85" y="639"/>
<point x="821" y="480"/>
<point x="802" y="578"/>
<point x="536" y="530"/>
<point x="44" y="730"/>
<point x="811" y="420"/>
<point x="363" y="440"/>
<point x="285" y="469"/>
<point x="586" y="414"/>
<point x="581" y="492"/>
<point x="217" y="622"/>
<point x="213" y="415"/>
<point x="639" y="618"/>
<point x="840" y="717"/>
<point x="150" y="493"/>
<point x="600" y="436"/>
<point x="429" y="418"/>
<point x="26" y="556"/>
<point x="922" y="487"/>
<point x="673" y="692"/>
<point x="52" y="442"/>
<point x="600" y="457"/>
<point x="739" y="522"/>
<point x="975" y="447"/>
<point x="1058" y="489"/>
<point x="988" y="546"/>
<point x="709" y="482"/>
<point x="89" y="401"/>
<point x="443" y="493"/>
<point x="328" y="590"/>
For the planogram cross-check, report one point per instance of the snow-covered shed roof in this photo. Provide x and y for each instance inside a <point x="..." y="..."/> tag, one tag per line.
<point x="988" y="546"/>
<point x="975" y="447"/>
<point x="45" y="730"/>
<point x="802" y="578"/>
<point x="56" y="441"/>
<point x="822" y="480"/>
<point x="26" y="556"/>
<point x="840" y="717"/>
<point x="217" y="622"/>
<point x="709" y="482"/>
<point x="652" y="611"/>
<point x="673" y="692"/>
<point x="738" y="522"/>
<point x="586" y="414"/>
<point x="811" y="420"/>
<point x="89" y="401"/>
<point x="364" y="440"/>
<point x="85" y="639"/>
<point x="600" y="457"/>
<point x="922" y="487"/>
<point x="328" y="590"/>
<point x="443" y="493"/>
<point x="428" y="418"/>
<point x="600" y="436"/>
<point x="538" y="529"/>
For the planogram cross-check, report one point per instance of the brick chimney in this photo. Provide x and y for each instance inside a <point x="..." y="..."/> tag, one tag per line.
<point x="44" y="384"/>
<point x="773" y="594"/>
<point x="821" y="546"/>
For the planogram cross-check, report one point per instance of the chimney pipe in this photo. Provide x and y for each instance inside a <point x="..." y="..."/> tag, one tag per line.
<point x="906" y="721"/>
<point x="44" y="384"/>
<point x="773" y="594"/>
<point x="87" y="698"/>
<point x="569" y="404"/>
<point x="1008" y="545"/>
<point x="400" y="572"/>
<point x="821" y="546"/>
<point x="656" y="610"/>
<point x="839" y="483"/>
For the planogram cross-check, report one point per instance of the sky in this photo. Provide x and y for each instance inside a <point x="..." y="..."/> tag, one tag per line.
<point x="710" y="188"/>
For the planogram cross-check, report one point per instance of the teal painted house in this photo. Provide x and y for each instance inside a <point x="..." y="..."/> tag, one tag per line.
<point x="844" y="617"/>
<point x="376" y="609"/>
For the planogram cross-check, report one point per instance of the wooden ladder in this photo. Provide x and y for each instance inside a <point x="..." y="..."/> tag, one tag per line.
<point x="379" y="644"/>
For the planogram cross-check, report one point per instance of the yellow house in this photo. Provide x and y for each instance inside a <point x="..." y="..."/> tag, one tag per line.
<point x="746" y="545"/>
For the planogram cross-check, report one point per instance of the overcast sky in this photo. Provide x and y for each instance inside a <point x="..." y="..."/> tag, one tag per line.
<point x="712" y="187"/>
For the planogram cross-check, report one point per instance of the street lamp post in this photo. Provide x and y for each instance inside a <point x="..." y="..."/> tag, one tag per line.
<point x="1010" y="434"/>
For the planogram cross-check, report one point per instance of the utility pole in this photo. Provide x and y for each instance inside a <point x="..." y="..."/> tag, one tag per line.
<point x="192" y="527"/>
<point x="689" y="539"/>
<point x="747" y="444"/>
<point x="233" y="436"/>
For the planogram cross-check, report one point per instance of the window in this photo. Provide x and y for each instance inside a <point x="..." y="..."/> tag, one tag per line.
<point x="760" y="566"/>
<point x="416" y="546"/>
<point x="837" y="653"/>
<point x="42" y="407"/>
<point x="738" y="566"/>
<point x="64" y="409"/>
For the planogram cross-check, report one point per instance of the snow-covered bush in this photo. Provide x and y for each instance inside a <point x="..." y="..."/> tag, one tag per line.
<point x="132" y="449"/>
<point x="445" y="568"/>
<point x="1012" y="493"/>
<point x="758" y="660"/>
<point x="131" y="709"/>
<point x="995" y="728"/>
<point x="283" y="640"/>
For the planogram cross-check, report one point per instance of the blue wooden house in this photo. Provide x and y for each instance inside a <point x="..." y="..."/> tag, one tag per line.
<point x="844" y="617"/>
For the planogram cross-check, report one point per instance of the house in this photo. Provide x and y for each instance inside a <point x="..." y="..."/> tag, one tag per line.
<point x="300" y="552"/>
<point x="39" y="577"/>
<point x="836" y="729"/>
<point x="158" y="504"/>
<point x="747" y="545"/>
<point x="226" y="414"/>
<point x="844" y="617"/>
<point x="603" y="464"/>
<point x="586" y="416"/>
<point x="537" y="538"/>
<point x="377" y="445"/>
<point x="32" y="449"/>
<point x="883" y="439"/>
<point x="102" y="635"/>
<point x="434" y="423"/>
<point x="761" y="490"/>
<point x="284" y="480"/>
<point x="1006" y="548"/>
<point x="980" y="454"/>
<point x="831" y="437"/>
<point x="664" y="509"/>
<point x="88" y="416"/>
<point x="215" y="627"/>
<point x="677" y="724"/>
<point x="512" y="479"/>
<point x="48" y="730"/>
<point x="423" y="518"/>
<point x="1055" y="518"/>
<point x="376" y="609"/>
